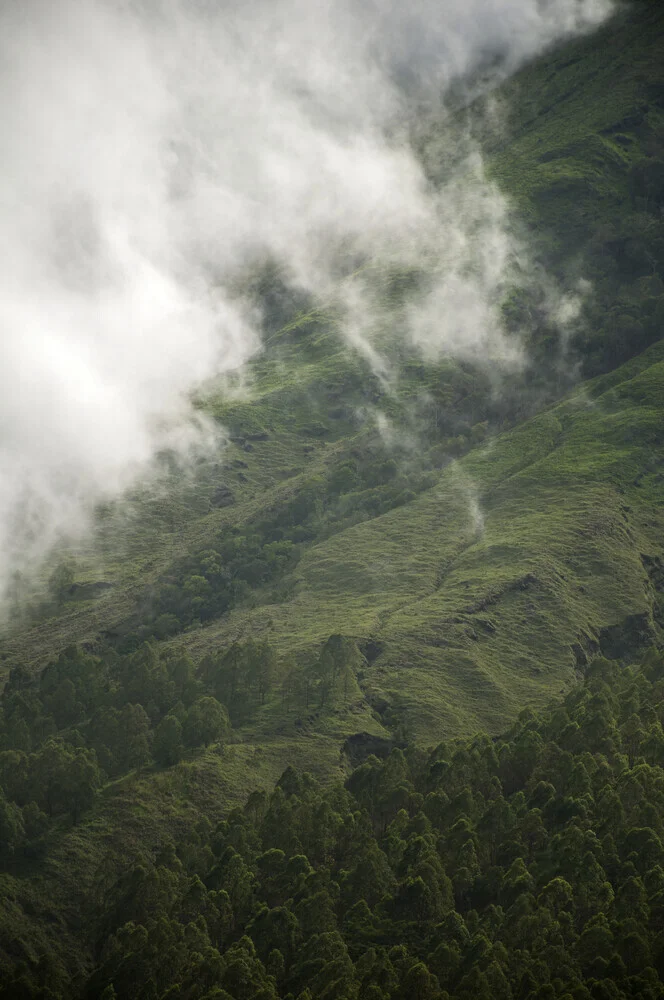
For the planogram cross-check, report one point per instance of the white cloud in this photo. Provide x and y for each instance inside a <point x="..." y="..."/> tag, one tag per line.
<point x="149" y="148"/>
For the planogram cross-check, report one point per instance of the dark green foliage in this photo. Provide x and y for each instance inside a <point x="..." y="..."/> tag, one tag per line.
<point x="62" y="778"/>
<point x="168" y="741"/>
<point x="208" y="583"/>
<point x="241" y="676"/>
<point x="87" y="717"/>
<point x="206" y="722"/>
<point x="11" y="827"/>
<point x="511" y="868"/>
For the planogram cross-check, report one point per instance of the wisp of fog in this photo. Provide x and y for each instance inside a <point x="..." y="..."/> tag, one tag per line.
<point x="151" y="149"/>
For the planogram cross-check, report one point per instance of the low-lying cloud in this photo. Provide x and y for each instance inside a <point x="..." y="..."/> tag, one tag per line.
<point x="151" y="149"/>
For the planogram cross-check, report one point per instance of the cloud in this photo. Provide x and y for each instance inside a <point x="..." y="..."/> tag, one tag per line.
<point x="151" y="148"/>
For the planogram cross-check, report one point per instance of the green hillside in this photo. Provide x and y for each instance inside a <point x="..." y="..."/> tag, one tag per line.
<point x="487" y="590"/>
<point x="371" y="566"/>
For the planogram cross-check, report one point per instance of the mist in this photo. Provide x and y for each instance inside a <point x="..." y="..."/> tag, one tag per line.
<point x="151" y="151"/>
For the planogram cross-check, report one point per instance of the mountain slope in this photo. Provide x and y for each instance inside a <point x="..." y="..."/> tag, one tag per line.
<point x="470" y="541"/>
<point x="487" y="591"/>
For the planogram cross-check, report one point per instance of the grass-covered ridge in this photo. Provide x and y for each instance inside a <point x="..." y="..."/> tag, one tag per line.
<point x="481" y="588"/>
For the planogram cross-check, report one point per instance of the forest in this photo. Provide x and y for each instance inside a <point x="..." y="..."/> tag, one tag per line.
<point x="525" y="865"/>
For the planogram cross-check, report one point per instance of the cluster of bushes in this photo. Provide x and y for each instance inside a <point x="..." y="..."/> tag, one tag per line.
<point x="204" y="585"/>
<point x="245" y="674"/>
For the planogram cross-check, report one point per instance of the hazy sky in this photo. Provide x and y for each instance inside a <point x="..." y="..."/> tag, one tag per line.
<point x="150" y="147"/>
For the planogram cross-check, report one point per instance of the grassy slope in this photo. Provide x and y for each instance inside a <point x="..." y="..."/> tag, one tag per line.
<point x="479" y="588"/>
<point x="578" y="118"/>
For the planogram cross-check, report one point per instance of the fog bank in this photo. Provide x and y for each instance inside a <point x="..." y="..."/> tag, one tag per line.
<point x="151" y="149"/>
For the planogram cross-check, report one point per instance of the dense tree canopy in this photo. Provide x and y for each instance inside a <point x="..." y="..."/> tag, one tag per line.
<point x="526" y="866"/>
